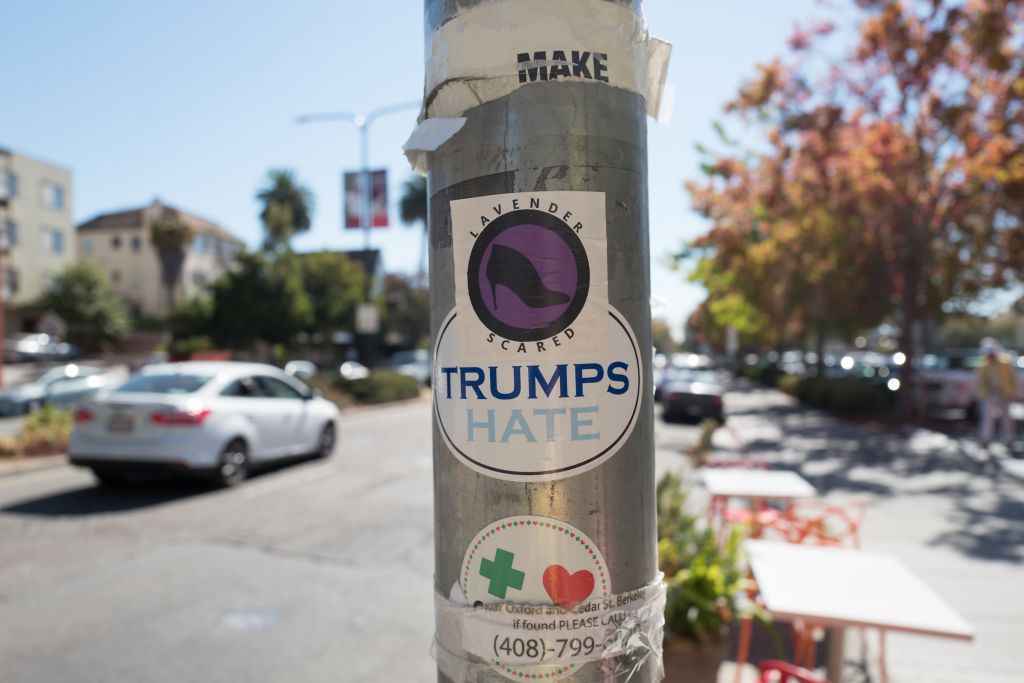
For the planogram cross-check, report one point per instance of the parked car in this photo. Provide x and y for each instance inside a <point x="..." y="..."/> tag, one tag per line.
<point x="412" y="363"/>
<point x="693" y="395"/>
<point x="62" y="386"/>
<point x="215" y="419"/>
<point x="950" y="380"/>
<point x="38" y="347"/>
<point x="303" y="369"/>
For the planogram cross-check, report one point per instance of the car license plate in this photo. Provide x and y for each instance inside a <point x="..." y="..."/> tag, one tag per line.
<point x="121" y="423"/>
<point x="694" y="410"/>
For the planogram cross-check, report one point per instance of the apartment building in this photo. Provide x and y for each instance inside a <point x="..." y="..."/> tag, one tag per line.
<point x="121" y="244"/>
<point x="35" y="217"/>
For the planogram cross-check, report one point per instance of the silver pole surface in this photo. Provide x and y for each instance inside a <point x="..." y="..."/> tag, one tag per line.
<point x="547" y="136"/>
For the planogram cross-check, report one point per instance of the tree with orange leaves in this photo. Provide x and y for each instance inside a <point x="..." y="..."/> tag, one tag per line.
<point x="892" y="178"/>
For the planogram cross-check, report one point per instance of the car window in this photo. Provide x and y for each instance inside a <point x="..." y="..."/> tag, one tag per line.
<point x="175" y="383"/>
<point x="243" y="387"/>
<point x="275" y="388"/>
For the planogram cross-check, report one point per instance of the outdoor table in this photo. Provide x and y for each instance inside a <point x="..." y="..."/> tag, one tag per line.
<point x="755" y="485"/>
<point x="837" y="588"/>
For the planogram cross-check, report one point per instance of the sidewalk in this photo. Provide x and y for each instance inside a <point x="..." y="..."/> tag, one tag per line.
<point x="954" y="517"/>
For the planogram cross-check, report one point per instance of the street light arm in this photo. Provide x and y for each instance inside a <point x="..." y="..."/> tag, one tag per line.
<point x="390" y="109"/>
<point x="325" y="116"/>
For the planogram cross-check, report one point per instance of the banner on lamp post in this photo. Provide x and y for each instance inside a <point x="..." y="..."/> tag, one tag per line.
<point x="354" y="194"/>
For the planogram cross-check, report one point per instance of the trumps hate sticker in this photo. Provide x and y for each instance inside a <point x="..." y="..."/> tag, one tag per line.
<point x="537" y="419"/>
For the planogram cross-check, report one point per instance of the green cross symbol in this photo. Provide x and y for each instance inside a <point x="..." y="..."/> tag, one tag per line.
<point x="501" y="574"/>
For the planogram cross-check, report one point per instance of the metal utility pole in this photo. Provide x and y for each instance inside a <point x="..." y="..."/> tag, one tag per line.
<point x="540" y="316"/>
<point x="362" y="122"/>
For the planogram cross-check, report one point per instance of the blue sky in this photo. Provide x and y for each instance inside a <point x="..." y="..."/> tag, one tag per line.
<point x="193" y="101"/>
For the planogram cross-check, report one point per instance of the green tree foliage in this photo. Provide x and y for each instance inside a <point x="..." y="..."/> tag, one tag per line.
<point x="661" y="337"/>
<point x="412" y="209"/>
<point x="287" y="209"/>
<point x="83" y="297"/>
<point x="334" y="285"/>
<point x="171" y="239"/>
<point x="407" y="311"/>
<point x="260" y="299"/>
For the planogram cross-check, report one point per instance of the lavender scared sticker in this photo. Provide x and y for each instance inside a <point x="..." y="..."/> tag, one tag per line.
<point x="530" y="274"/>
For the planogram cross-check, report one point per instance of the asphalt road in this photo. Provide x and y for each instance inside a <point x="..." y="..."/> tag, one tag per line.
<point x="321" y="571"/>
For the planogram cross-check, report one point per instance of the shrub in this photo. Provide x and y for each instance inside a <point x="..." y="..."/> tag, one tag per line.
<point x="382" y="386"/>
<point x="8" y="447"/>
<point x="789" y="384"/>
<point x="45" y="432"/>
<point x="843" y="395"/>
<point x="186" y="346"/>
<point x="703" y="577"/>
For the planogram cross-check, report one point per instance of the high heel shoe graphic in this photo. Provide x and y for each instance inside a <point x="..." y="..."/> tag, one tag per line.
<point x="509" y="268"/>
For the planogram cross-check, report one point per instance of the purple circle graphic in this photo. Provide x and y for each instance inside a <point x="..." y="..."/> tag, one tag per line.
<point x="553" y="273"/>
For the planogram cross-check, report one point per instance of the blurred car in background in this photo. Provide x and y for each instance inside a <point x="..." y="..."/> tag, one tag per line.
<point x="691" y="394"/>
<point x="62" y="387"/>
<point x="950" y="380"/>
<point x="415" y="364"/>
<point x="352" y="370"/>
<point x="27" y="348"/>
<point x="303" y="369"/>
<point x="215" y="419"/>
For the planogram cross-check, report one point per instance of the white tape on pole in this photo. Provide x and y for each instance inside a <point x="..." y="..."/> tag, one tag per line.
<point x="476" y="57"/>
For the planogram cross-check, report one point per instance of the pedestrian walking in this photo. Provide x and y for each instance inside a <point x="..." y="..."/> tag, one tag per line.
<point x="997" y="385"/>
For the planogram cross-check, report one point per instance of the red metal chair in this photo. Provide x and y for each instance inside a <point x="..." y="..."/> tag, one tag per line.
<point x="719" y="509"/>
<point x="773" y="671"/>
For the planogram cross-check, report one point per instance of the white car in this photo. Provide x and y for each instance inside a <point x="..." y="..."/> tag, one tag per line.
<point x="220" y="419"/>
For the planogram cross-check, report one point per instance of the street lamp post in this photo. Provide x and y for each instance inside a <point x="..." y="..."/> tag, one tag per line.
<point x="362" y="122"/>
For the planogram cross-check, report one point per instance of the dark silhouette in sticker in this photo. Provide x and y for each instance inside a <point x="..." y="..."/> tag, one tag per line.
<point x="508" y="268"/>
<point x="528" y="275"/>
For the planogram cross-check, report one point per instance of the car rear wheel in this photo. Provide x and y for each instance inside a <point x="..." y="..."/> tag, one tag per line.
<point x="234" y="464"/>
<point x="328" y="437"/>
<point x="108" y="479"/>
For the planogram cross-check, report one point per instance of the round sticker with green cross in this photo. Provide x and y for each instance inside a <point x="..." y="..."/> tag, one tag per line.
<point x="537" y="561"/>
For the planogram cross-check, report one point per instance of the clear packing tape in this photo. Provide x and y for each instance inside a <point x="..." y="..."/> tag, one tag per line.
<point x="474" y="58"/>
<point x="502" y="641"/>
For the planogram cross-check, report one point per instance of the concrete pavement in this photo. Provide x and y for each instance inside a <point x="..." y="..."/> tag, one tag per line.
<point x="317" y="572"/>
<point x="956" y="519"/>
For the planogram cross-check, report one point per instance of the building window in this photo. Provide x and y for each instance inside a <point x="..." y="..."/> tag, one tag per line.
<point x="11" y="282"/>
<point x="199" y="243"/>
<point x="115" y="276"/>
<point x="52" y="195"/>
<point x="52" y="240"/>
<point x="115" y="242"/>
<point x="86" y="245"/>
<point x="136" y="243"/>
<point x="11" y="233"/>
<point x="9" y="186"/>
<point x="199" y="279"/>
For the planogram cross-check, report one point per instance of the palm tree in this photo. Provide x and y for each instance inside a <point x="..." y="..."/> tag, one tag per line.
<point x="287" y="208"/>
<point x="170" y="238"/>
<point x="412" y="207"/>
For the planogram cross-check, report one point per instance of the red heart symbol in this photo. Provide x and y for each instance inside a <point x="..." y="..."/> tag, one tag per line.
<point x="567" y="590"/>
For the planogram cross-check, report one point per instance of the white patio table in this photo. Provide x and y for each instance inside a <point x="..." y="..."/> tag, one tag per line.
<point x="837" y="588"/>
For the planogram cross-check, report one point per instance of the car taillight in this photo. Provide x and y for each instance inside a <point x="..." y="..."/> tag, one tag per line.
<point x="83" y="415"/>
<point x="180" y="418"/>
<point x="717" y="400"/>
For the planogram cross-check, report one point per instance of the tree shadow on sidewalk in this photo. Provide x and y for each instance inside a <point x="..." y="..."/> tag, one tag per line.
<point x="882" y="460"/>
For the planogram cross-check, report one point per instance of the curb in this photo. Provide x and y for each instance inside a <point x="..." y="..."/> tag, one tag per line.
<point x="31" y="464"/>
<point x="424" y="397"/>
